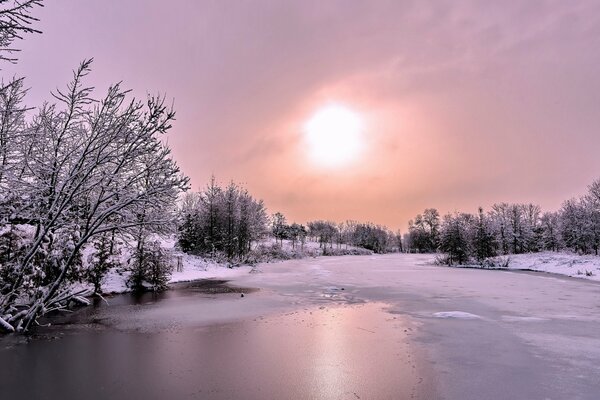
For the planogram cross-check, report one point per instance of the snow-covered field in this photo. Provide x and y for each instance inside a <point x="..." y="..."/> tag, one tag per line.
<point x="569" y="264"/>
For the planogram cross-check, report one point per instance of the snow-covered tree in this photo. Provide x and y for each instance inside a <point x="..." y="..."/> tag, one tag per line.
<point x="296" y="232"/>
<point x="550" y="225"/>
<point x="101" y="260"/>
<point x="592" y="206"/>
<point x="575" y="225"/>
<point x="324" y="232"/>
<point x="517" y="227"/>
<point x="373" y="237"/>
<point x="424" y="231"/>
<point x="500" y="219"/>
<point x="418" y="237"/>
<point x="484" y="243"/>
<point x="455" y="238"/>
<point x="431" y="220"/>
<point x="531" y="230"/>
<point x="151" y="266"/>
<point x="279" y="227"/>
<point x="221" y="221"/>
<point x="86" y="167"/>
<point x="16" y="20"/>
<point x="399" y="241"/>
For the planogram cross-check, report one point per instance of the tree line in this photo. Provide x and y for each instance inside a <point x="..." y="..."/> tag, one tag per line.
<point x="376" y="238"/>
<point x="227" y="222"/>
<point x="509" y="229"/>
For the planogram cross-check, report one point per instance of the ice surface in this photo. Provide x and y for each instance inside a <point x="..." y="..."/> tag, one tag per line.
<point x="455" y="314"/>
<point x="534" y="336"/>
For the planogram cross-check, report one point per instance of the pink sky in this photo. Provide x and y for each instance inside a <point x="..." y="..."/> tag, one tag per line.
<point x="466" y="103"/>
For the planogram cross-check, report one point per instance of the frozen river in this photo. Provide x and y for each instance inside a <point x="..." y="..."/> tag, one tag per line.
<point x="380" y="327"/>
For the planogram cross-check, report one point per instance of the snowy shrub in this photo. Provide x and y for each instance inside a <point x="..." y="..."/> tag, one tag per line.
<point x="353" y="251"/>
<point x="496" y="263"/>
<point x="13" y="240"/>
<point x="101" y="261"/>
<point x="442" y="259"/>
<point x="150" y="267"/>
<point x="274" y="252"/>
<point x="60" y="247"/>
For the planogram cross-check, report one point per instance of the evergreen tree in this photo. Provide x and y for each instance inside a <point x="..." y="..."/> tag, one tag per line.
<point x="454" y="238"/>
<point x="484" y="242"/>
<point x="100" y="261"/>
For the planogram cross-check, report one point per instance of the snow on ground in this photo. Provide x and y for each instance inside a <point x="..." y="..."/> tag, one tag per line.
<point x="193" y="267"/>
<point x="569" y="264"/>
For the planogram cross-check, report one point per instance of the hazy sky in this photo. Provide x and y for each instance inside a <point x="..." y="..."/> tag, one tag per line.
<point x="464" y="103"/>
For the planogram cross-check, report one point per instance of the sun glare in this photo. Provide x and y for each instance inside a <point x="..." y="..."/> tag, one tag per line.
<point x="334" y="136"/>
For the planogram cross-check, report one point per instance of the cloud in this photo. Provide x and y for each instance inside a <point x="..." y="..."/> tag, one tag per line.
<point x="470" y="101"/>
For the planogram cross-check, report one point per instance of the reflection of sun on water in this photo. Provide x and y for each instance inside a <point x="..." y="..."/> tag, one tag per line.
<point x="330" y="371"/>
<point x="334" y="136"/>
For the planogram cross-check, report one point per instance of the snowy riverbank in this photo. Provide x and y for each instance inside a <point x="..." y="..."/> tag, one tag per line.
<point x="569" y="264"/>
<point x="192" y="268"/>
<point x="560" y="263"/>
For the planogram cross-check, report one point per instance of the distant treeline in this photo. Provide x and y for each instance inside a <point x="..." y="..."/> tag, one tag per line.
<point x="509" y="229"/>
<point x="225" y="222"/>
<point x="328" y="234"/>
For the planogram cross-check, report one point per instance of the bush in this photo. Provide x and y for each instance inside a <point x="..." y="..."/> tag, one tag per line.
<point x="151" y="267"/>
<point x="443" y="259"/>
<point x="100" y="262"/>
<point x="355" y="251"/>
<point x="12" y="248"/>
<point x="496" y="263"/>
<point x="274" y="252"/>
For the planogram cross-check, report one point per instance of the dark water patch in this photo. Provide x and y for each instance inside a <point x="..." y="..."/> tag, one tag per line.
<point x="102" y="312"/>
<point x="211" y="286"/>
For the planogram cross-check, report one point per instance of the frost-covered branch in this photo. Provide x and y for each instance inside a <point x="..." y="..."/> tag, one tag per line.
<point x="15" y="20"/>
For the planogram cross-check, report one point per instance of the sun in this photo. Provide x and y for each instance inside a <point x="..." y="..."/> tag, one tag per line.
<point x="334" y="136"/>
